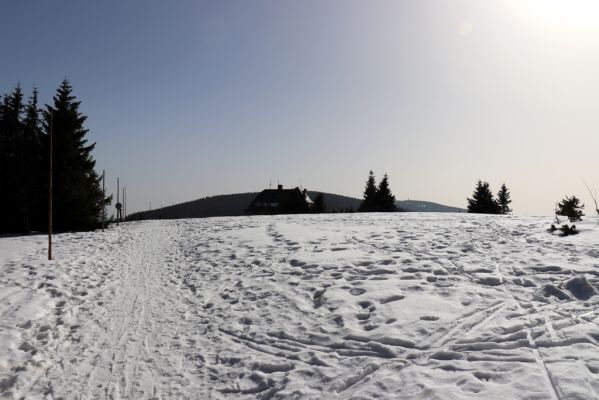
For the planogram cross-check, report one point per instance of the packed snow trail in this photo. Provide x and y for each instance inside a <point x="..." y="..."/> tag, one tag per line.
<point x="354" y="306"/>
<point x="131" y="335"/>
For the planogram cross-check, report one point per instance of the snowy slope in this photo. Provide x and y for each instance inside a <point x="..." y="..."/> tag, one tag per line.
<point x="345" y="306"/>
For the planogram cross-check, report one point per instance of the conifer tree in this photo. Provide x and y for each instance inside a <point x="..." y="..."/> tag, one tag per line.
<point x="34" y="181"/>
<point x="503" y="200"/>
<point x="570" y="207"/>
<point x="319" y="204"/>
<point x="12" y="163"/>
<point x="482" y="201"/>
<point x="77" y="200"/>
<point x="385" y="199"/>
<point x="4" y="167"/>
<point x="369" y="202"/>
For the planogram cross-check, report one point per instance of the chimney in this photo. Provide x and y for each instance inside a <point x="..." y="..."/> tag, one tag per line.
<point x="279" y="187"/>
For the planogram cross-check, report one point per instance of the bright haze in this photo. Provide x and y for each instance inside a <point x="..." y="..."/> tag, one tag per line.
<point x="193" y="98"/>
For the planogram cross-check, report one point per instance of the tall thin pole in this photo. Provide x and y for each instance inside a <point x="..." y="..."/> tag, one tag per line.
<point x="103" y="201"/>
<point x="50" y="192"/>
<point x="123" y="205"/>
<point x="118" y="211"/>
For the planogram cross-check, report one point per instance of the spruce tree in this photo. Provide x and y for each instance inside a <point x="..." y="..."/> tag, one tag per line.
<point x="4" y="167"/>
<point x="319" y="204"/>
<point x="385" y="199"/>
<point x="482" y="201"/>
<point x="369" y="202"/>
<point x="570" y="207"/>
<point x="77" y="200"/>
<point x="34" y="182"/>
<point x="503" y="200"/>
<point x="12" y="163"/>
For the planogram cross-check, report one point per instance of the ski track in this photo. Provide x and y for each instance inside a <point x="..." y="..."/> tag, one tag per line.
<point x="348" y="306"/>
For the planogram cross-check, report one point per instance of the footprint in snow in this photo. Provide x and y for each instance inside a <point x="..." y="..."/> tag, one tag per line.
<point x="392" y="298"/>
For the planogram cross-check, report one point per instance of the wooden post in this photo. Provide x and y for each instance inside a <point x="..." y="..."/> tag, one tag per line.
<point x="50" y="191"/>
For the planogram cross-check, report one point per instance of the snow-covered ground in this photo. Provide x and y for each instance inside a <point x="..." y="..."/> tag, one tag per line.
<point x="346" y="306"/>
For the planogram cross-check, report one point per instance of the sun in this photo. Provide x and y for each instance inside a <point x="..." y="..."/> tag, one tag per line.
<point x="581" y="13"/>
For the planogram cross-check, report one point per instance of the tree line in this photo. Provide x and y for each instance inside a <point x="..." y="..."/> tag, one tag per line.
<point x="24" y="164"/>
<point x="483" y="201"/>
<point x="377" y="198"/>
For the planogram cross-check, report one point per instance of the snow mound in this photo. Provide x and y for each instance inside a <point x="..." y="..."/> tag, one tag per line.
<point x="580" y="288"/>
<point x="593" y="253"/>
<point x="490" y="280"/>
<point x="547" y="291"/>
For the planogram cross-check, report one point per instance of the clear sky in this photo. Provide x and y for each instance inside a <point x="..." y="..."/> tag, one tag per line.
<point x="193" y="98"/>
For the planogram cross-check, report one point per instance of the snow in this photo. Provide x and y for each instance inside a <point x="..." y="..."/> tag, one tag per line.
<point x="337" y="306"/>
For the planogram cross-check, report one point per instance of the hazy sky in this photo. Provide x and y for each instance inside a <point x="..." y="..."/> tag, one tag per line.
<point x="193" y="98"/>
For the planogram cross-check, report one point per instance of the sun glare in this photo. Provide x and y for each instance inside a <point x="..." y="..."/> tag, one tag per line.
<point x="578" y="13"/>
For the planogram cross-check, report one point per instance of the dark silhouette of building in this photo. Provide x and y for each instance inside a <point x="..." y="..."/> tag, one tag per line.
<point x="281" y="201"/>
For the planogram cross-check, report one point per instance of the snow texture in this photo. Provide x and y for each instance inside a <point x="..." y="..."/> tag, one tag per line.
<point x="346" y="306"/>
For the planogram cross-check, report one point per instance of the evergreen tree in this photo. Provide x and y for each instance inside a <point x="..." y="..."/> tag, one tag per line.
<point x="77" y="199"/>
<point x="34" y="180"/>
<point x="570" y="207"/>
<point x="503" y="200"/>
<point x="12" y="161"/>
<point x="482" y="201"/>
<point x="369" y="203"/>
<point x="4" y="167"/>
<point x="385" y="199"/>
<point x="319" y="204"/>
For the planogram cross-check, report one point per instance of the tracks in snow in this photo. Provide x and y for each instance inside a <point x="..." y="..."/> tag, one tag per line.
<point x="129" y="346"/>
<point x="303" y="307"/>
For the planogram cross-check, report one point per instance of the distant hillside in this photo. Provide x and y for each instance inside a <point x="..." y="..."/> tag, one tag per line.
<point x="226" y="205"/>
<point x="427" y="206"/>
<point x="335" y="202"/>
<point x="229" y="205"/>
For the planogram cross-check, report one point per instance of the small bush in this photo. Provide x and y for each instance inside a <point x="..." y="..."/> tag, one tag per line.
<point x="568" y="230"/>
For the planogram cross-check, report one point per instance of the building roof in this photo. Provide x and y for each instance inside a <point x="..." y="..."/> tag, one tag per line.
<point x="281" y="201"/>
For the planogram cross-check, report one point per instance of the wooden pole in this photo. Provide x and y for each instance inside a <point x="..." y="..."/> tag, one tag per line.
<point x="103" y="201"/>
<point x="50" y="192"/>
<point x="118" y="211"/>
<point x="123" y="205"/>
